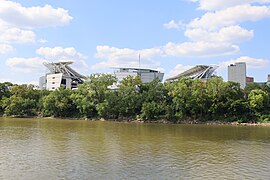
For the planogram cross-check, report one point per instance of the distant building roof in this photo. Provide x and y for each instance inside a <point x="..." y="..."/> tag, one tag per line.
<point x="136" y="69"/>
<point x="199" y="71"/>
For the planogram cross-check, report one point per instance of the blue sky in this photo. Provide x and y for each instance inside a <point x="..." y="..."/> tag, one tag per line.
<point x="97" y="35"/>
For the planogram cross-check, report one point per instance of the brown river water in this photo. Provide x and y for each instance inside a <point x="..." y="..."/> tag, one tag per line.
<point x="74" y="149"/>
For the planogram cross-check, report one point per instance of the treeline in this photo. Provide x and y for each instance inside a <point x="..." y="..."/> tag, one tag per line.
<point x="181" y="100"/>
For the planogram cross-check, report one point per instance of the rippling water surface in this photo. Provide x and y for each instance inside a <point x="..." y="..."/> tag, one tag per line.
<point x="69" y="149"/>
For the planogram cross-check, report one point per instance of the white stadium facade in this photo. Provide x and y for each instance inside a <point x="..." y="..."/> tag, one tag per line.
<point x="60" y="74"/>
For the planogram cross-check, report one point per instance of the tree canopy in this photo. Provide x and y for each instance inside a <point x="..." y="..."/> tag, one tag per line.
<point x="212" y="99"/>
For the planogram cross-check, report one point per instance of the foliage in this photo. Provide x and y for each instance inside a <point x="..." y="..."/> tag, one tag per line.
<point x="211" y="99"/>
<point x="97" y="86"/>
<point x="130" y="98"/>
<point x="251" y="86"/>
<point x="83" y="101"/>
<point x="19" y="106"/>
<point x="4" y="93"/>
<point x="59" y="104"/>
<point x="21" y="100"/>
<point x="154" y="96"/>
<point x="258" y="100"/>
<point x="181" y="94"/>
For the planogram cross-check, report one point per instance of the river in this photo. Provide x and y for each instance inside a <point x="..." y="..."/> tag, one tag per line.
<point x="73" y="149"/>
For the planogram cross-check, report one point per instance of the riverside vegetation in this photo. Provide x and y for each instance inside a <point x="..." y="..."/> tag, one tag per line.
<point x="180" y="101"/>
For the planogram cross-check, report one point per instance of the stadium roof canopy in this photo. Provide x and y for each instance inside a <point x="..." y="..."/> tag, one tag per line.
<point x="63" y="67"/>
<point x="199" y="71"/>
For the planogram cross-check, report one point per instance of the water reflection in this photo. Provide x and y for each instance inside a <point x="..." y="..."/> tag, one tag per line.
<point x="68" y="149"/>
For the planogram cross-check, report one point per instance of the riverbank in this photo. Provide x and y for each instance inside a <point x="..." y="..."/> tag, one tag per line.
<point x="151" y="122"/>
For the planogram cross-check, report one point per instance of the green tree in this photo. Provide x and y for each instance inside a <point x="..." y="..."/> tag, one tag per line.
<point x="110" y="108"/>
<point x="226" y="98"/>
<point x="181" y="93"/>
<point x="59" y="103"/>
<point x="5" y="89"/>
<point x="83" y="101"/>
<point x="91" y="96"/>
<point x="23" y="101"/>
<point x="258" y="100"/>
<point x="4" y="93"/>
<point x="154" y="96"/>
<point x="19" y="106"/>
<point x="199" y="100"/>
<point x="251" y="86"/>
<point x="130" y="98"/>
<point x="98" y="85"/>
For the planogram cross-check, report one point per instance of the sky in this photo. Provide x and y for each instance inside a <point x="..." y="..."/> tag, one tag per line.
<point x="99" y="35"/>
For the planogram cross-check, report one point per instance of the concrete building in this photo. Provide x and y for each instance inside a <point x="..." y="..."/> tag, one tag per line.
<point x="147" y="75"/>
<point x="60" y="74"/>
<point x="249" y="80"/>
<point x="200" y="72"/>
<point x="268" y="80"/>
<point x="237" y="73"/>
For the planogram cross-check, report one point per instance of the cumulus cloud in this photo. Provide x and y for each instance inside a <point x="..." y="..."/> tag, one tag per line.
<point x="63" y="54"/>
<point x="218" y="32"/>
<point x="25" y="65"/>
<point x="231" y="34"/>
<point x="174" y="25"/>
<point x="32" y="17"/>
<point x="117" y="57"/>
<point x="252" y="63"/>
<point x="221" y="4"/>
<point x="230" y="16"/>
<point x="5" y="48"/>
<point x="18" y="22"/>
<point x="16" y="35"/>
<point x="55" y="54"/>
<point x="43" y="41"/>
<point x="60" y="53"/>
<point x="200" y="49"/>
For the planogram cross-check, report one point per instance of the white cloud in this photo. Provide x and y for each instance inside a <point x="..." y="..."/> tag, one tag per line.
<point x="174" y="25"/>
<point x="25" y="65"/>
<point x="231" y="34"/>
<point x="5" y="48"/>
<point x="117" y="57"/>
<point x="200" y="49"/>
<point x="125" y="53"/>
<point x="43" y="41"/>
<point x="252" y="63"/>
<point x="63" y="54"/>
<point x="32" y="17"/>
<point x="230" y="16"/>
<point x="221" y="4"/>
<point x="17" y="22"/>
<point x="35" y="64"/>
<point x="16" y="35"/>
<point x="216" y="33"/>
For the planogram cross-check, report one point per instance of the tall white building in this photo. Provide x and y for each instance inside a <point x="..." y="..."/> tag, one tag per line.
<point x="60" y="75"/>
<point x="237" y="73"/>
